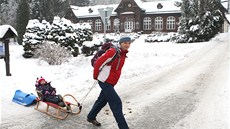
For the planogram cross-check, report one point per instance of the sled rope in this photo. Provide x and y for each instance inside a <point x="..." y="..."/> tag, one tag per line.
<point x="83" y="98"/>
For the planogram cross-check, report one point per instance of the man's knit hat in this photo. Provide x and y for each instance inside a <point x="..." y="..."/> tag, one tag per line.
<point x="125" y="39"/>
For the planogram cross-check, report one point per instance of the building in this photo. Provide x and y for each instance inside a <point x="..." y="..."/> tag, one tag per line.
<point x="130" y="16"/>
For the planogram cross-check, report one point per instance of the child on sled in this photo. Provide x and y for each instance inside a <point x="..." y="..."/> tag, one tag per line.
<point x="48" y="92"/>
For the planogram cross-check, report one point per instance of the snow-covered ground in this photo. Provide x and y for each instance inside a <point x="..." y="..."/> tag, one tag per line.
<point x="75" y="77"/>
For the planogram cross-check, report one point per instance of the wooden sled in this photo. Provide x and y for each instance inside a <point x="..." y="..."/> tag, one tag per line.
<point x="72" y="106"/>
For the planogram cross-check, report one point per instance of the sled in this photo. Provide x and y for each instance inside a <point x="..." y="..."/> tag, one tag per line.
<point x="72" y="106"/>
<point x="24" y="98"/>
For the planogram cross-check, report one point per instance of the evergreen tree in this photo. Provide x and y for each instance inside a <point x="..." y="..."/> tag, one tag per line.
<point x="22" y="19"/>
<point x="47" y="9"/>
<point x="201" y="19"/>
<point x="8" y="12"/>
<point x="79" y="2"/>
<point x="185" y="17"/>
<point x="35" y="10"/>
<point x="34" y="36"/>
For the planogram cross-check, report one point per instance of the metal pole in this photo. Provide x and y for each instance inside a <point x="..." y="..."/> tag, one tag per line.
<point x="7" y="57"/>
<point x="105" y="24"/>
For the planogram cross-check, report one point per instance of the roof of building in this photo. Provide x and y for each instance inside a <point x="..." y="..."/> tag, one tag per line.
<point x="90" y="11"/>
<point x="228" y="17"/>
<point x="225" y="3"/>
<point x="5" y="28"/>
<point x="148" y="7"/>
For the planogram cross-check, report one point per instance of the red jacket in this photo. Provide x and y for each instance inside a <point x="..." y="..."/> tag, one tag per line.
<point x="110" y="72"/>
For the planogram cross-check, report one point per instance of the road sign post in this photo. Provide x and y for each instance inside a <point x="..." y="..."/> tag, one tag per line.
<point x="105" y="14"/>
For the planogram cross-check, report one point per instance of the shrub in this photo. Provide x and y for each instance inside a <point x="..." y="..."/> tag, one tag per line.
<point x="52" y="53"/>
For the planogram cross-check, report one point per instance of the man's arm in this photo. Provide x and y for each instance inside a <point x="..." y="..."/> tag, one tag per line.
<point x="102" y="61"/>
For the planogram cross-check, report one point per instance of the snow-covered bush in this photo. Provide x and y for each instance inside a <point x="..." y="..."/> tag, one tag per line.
<point x="61" y="31"/>
<point x="35" y="35"/>
<point x="180" y="38"/>
<point x="160" y="37"/>
<point x="52" y="53"/>
<point x="89" y="48"/>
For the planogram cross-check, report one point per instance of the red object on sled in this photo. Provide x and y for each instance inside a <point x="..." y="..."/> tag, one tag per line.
<point x="57" y="111"/>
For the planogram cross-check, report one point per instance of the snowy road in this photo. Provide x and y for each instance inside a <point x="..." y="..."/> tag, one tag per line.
<point x="190" y="95"/>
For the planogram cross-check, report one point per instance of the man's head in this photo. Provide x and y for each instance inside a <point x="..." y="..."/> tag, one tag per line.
<point x="125" y="42"/>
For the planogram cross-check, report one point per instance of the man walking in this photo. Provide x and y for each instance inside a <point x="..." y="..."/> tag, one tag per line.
<point x="108" y="73"/>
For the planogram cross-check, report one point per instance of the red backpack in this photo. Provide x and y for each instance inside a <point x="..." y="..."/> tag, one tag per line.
<point x="104" y="48"/>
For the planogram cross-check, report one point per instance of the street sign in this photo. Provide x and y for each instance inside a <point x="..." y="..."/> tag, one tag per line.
<point x="105" y="13"/>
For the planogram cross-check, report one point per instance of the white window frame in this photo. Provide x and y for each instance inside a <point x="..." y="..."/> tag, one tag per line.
<point x="129" y="24"/>
<point x="171" y="23"/>
<point x="108" y="26"/>
<point x="98" y="25"/>
<point x="147" y="23"/>
<point x="116" y="24"/>
<point x="158" y="23"/>
<point x="90" y="23"/>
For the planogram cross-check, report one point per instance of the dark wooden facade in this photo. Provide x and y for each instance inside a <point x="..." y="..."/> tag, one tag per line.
<point x="131" y="19"/>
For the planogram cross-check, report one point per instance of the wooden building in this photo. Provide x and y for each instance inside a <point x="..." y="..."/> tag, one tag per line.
<point x="130" y="16"/>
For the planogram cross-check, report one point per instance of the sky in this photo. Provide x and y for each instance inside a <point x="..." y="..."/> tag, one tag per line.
<point x="76" y="76"/>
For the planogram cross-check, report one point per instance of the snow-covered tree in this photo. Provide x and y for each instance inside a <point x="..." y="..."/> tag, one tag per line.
<point x="22" y="19"/>
<point x="61" y="31"/>
<point x="34" y="36"/>
<point x="201" y="20"/>
<point x="79" y="2"/>
<point x="104" y="2"/>
<point x="8" y="12"/>
<point x="69" y="35"/>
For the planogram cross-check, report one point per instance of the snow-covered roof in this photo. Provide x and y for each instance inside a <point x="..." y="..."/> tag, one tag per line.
<point x="149" y="7"/>
<point x="5" y="28"/>
<point x="228" y="17"/>
<point x="167" y="7"/>
<point x="225" y="3"/>
<point x="84" y="12"/>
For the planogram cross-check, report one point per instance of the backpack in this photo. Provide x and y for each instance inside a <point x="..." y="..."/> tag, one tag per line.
<point x="104" y="48"/>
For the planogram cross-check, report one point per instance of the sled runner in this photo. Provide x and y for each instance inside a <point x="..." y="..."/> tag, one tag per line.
<point x="72" y="106"/>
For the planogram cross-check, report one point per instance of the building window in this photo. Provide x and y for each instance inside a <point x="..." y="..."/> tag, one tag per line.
<point x="90" y="23"/>
<point x="98" y="25"/>
<point x="116" y="24"/>
<point x="108" y="25"/>
<point x="129" y="24"/>
<point x="171" y="23"/>
<point x="147" y="23"/>
<point x="158" y="23"/>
